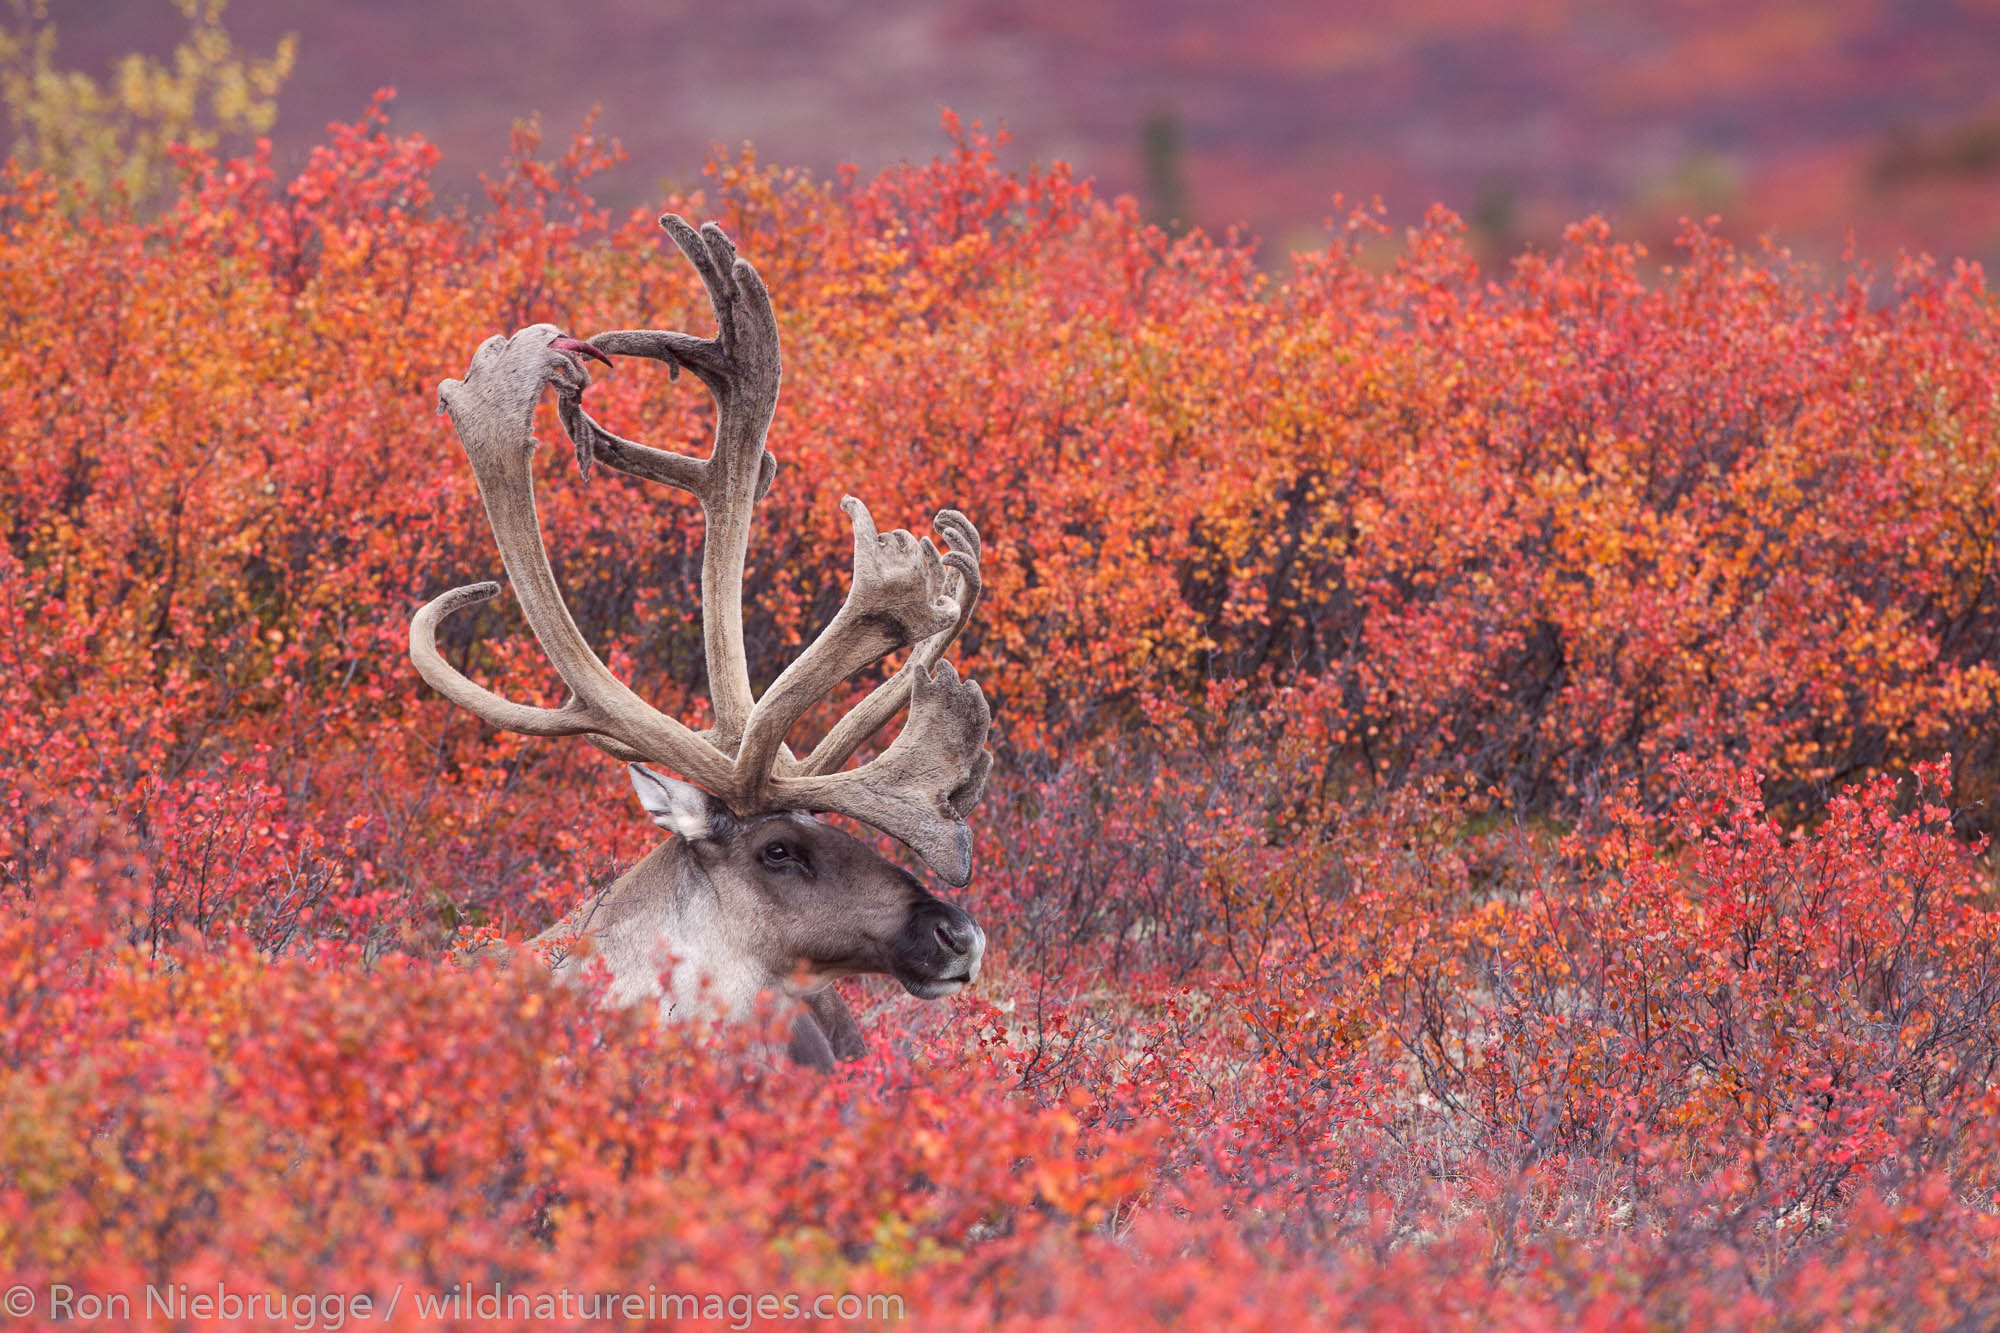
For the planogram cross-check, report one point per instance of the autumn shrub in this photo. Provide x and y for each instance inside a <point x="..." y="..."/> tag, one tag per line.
<point x="117" y="135"/>
<point x="1489" y="825"/>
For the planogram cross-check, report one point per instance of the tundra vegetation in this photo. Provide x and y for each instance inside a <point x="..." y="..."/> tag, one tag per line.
<point x="1492" y="787"/>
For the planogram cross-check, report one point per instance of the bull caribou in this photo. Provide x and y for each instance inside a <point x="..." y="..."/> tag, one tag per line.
<point x="752" y="893"/>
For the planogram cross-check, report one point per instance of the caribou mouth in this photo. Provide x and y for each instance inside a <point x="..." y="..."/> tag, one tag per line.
<point x="941" y="950"/>
<point x="936" y="989"/>
<point x="578" y="347"/>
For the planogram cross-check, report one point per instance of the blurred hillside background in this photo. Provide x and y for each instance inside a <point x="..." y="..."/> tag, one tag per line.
<point x="1802" y="118"/>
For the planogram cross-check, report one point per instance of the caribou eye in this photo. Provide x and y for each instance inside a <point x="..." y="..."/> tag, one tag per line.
<point x="780" y="856"/>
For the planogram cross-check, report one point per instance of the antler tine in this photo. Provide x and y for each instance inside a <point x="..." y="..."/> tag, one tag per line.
<point x="924" y="785"/>
<point x="714" y="259"/>
<point x="742" y="369"/>
<point x="593" y="442"/>
<point x="596" y="444"/>
<point x="493" y="410"/>
<point x="446" y="679"/>
<point x="502" y="714"/>
<point x="888" y="699"/>
<point x="898" y="598"/>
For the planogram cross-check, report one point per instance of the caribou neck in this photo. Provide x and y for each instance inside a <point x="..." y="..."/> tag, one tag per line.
<point x="664" y="919"/>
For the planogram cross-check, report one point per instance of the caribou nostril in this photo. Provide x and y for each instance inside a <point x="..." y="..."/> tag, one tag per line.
<point x="955" y="937"/>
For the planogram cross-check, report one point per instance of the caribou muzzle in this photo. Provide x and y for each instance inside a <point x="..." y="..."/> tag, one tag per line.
<point x="938" y="951"/>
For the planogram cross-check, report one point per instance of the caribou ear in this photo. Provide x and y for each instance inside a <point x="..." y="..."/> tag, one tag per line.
<point x="678" y="806"/>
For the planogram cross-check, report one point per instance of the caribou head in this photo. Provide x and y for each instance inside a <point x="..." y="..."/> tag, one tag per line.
<point x="753" y="893"/>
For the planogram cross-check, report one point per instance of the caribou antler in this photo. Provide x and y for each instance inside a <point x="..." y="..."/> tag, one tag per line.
<point x="878" y="709"/>
<point x="741" y="368"/>
<point x="904" y="594"/>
